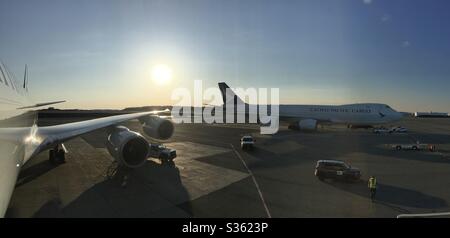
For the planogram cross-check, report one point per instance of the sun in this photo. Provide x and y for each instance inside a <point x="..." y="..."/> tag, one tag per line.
<point x="162" y="74"/>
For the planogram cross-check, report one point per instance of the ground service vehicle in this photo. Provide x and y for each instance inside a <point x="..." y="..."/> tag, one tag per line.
<point x="381" y="130"/>
<point x="247" y="142"/>
<point x="336" y="169"/>
<point x="414" y="146"/>
<point x="162" y="153"/>
<point x="398" y="129"/>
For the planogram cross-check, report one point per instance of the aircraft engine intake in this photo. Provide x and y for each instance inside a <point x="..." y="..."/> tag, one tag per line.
<point x="129" y="148"/>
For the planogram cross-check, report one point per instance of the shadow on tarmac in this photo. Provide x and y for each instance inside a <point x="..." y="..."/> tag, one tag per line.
<point x="393" y="196"/>
<point x="263" y="158"/>
<point x="153" y="190"/>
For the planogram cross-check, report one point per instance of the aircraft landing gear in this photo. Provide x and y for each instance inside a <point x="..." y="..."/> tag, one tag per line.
<point x="294" y="126"/>
<point x="57" y="155"/>
<point x="118" y="172"/>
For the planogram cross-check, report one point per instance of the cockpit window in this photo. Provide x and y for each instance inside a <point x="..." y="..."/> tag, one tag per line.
<point x="388" y="107"/>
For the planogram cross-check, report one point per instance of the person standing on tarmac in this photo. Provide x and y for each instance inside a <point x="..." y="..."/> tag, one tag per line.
<point x="372" y="184"/>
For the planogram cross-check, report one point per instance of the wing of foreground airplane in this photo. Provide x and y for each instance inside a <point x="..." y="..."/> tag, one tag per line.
<point x="42" y="138"/>
<point x="61" y="133"/>
<point x="49" y="136"/>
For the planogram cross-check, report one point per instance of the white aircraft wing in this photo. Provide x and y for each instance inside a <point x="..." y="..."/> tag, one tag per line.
<point x="48" y="136"/>
<point x="52" y="135"/>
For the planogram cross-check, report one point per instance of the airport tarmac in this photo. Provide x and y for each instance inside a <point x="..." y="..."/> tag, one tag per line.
<point x="212" y="177"/>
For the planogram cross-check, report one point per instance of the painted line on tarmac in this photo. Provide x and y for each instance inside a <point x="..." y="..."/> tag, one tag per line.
<point x="438" y="214"/>
<point x="254" y="181"/>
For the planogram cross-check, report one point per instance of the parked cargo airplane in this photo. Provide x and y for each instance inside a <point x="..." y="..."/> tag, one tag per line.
<point x="21" y="139"/>
<point x="307" y="117"/>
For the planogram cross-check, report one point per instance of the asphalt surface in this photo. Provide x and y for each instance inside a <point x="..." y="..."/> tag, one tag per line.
<point x="212" y="177"/>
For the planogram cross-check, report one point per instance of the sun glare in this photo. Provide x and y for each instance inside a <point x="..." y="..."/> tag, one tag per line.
<point x="161" y="74"/>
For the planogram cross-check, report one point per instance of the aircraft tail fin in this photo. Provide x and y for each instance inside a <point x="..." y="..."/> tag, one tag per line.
<point x="228" y="94"/>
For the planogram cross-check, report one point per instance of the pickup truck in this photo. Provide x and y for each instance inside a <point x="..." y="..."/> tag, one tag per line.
<point x="414" y="146"/>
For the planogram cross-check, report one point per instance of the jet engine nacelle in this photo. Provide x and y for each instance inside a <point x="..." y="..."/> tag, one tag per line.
<point x="127" y="147"/>
<point x="305" y="125"/>
<point x="158" y="128"/>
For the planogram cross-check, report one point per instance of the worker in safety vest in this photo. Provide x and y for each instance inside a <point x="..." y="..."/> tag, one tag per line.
<point x="372" y="184"/>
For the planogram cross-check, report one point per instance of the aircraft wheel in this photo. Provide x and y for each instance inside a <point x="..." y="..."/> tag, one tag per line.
<point x="57" y="156"/>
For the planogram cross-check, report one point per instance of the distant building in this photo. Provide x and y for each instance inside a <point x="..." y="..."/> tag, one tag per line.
<point x="431" y="114"/>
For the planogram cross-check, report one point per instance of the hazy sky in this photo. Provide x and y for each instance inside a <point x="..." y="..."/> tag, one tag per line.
<point x="99" y="54"/>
